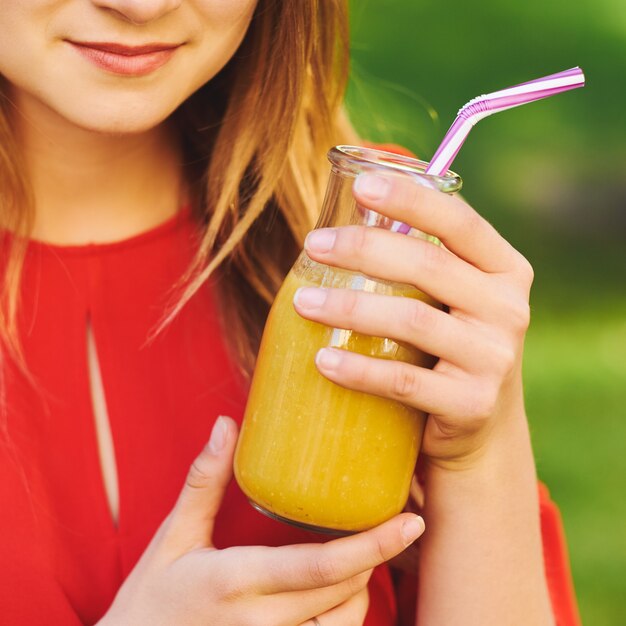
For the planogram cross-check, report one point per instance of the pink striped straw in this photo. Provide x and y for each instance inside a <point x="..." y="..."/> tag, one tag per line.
<point x="485" y="105"/>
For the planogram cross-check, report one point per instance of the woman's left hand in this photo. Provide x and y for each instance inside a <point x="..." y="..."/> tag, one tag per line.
<point x="475" y="388"/>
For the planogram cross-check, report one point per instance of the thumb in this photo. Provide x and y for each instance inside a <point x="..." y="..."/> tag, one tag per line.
<point x="192" y="519"/>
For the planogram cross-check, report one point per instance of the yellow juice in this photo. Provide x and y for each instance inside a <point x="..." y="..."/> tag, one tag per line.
<point x="310" y="451"/>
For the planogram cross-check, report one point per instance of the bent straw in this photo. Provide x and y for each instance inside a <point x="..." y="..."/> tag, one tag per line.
<point x="475" y="110"/>
<point x="485" y="105"/>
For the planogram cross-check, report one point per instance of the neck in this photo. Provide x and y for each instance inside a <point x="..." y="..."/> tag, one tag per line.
<point x="96" y="187"/>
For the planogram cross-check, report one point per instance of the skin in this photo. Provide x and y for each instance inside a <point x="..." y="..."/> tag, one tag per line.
<point x="84" y="129"/>
<point x="104" y="165"/>
<point x="182" y="579"/>
<point x="484" y="545"/>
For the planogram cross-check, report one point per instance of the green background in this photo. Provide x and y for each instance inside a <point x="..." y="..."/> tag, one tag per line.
<point x="550" y="177"/>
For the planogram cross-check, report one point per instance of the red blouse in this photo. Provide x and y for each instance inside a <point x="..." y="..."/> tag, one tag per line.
<point x="62" y="557"/>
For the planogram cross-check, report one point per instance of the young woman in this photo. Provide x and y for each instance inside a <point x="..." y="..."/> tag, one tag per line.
<point x="161" y="162"/>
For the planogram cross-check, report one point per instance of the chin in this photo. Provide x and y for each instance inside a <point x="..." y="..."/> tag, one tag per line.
<point x="110" y="116"/>
<point x="118" y="125"/>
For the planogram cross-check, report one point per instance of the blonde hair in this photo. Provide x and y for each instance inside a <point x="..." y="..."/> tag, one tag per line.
<point x="257" y="135"/>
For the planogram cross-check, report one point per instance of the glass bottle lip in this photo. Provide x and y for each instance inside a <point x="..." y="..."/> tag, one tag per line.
<point x="353" y="160"/>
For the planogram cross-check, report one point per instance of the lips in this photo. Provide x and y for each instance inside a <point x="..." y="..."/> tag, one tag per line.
<point x="125" y="60"/>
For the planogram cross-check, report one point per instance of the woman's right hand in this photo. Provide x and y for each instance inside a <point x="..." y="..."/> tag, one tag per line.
<point x="182" y="579"/>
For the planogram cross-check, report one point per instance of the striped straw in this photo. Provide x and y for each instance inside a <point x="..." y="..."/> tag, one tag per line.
<point x="485" y="105"/>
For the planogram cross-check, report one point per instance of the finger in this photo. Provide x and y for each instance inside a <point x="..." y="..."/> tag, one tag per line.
<point x="398" y="258"/>
<point x="311" y="566"/>
<point x="449" y="218"/>
<point x="428" y="390"/>
<point x="190" y="524"/>
<point x="351" y="613"/>
<point x="403" y="319"/>
<point x="296" y="606"/>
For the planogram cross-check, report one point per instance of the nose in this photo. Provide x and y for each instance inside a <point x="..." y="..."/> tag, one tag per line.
<point x="139" y="11"/>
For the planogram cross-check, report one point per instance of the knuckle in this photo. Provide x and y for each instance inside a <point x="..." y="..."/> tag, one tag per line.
<point x="357" y="616"/>
<point x="506" y="359"/>
<point x="380" y="551"/>
<point x="413" y="196"/>
<point x="323" y="572"/>
<point x="519" y="314"/>
<point x="363" y="579"/>
<point x="483" y="403"/>
<point x="418" y="316"/>
<point x="349" y="303"/>
<point x="360" y="373"/>
<point x="365" y="596"/>
<point x="513" y="308"/>
<point x="230" y="585"/>
<point x="227" y="590"/>
<point x="198" y="475"/>
<point x="432" y="259"/>
<point x="355" y="584"/>
<point x="404" y="381"/>
<point x="360" y="238"/>
<point x="525" y="270"/>
<point x="452" y="430"/>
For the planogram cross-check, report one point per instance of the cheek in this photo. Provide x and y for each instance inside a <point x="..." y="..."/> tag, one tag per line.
<point x="20" y="46"/>
<point x="225" y="13"/>
<point x="225" y="25"/>
<point x="19" y="17"/>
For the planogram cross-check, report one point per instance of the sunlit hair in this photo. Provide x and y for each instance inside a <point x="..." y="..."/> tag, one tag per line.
<point x="255" y="139"/>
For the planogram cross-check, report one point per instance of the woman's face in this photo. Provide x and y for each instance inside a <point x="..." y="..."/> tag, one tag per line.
<point x="108" y="86"/>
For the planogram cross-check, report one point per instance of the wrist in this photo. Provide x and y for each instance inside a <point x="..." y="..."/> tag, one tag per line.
<point x="482" y="515"/>
<point x="506" y="444"/>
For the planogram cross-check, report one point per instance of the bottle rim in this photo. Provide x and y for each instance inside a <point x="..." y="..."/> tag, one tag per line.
<point x="354" y="160"/>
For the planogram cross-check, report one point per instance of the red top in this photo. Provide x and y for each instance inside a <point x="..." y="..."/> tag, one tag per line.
<point x="62" y="558"/>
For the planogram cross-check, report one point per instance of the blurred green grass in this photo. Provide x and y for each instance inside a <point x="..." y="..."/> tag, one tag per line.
<point x="550" y="177"/>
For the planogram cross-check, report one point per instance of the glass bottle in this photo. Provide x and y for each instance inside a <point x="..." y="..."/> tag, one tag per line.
<point x="312" y="453"/>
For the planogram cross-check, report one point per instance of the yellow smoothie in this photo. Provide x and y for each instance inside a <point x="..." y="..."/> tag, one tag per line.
<point x="311" y="451"/>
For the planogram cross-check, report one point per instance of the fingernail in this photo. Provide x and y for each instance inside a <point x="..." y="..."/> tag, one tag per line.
<point x="412" y="529"/>
<point x="310" y="297"/>
<point x="371" y="186"/>
<point x="218" y="436"/>
<point x="320" y="240"/>
<point x="328" y="359"/>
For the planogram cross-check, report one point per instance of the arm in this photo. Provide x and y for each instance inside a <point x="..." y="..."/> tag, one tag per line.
<point x="481" y="557"/>
<point x="483" y="548"/>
